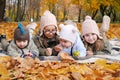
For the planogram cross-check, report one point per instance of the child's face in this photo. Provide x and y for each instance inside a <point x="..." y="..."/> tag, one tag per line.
<point x="21" y="44"/>
<point x="49" y="31"/>
<point x="65" y="43"/>
<point x="90" y="38"/>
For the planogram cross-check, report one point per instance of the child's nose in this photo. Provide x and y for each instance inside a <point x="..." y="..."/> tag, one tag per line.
<point x="90" y="37"/>
<point x="22" y="43"/>
<point x="62" y="43"/>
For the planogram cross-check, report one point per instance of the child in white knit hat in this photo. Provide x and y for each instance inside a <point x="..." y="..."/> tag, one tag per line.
<point x="70" y="41"/>
<point x="47" y="37"/>
<point x="94" y="42"/>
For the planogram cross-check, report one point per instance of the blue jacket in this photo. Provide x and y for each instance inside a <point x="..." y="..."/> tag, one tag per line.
<point x="78" y="46"/>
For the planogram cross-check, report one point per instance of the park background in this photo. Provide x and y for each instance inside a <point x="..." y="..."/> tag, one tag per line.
<point x="27" y="11"/>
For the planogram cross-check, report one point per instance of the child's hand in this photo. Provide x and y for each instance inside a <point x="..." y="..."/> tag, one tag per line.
<point x="89" y="52"/>
<point x="58" y="48"/>
<point x="28" y="54"/>
<point x="49" y="51"/>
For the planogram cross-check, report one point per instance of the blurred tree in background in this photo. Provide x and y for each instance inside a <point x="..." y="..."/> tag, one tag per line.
<point x="28" y="10"/>
<point x="2" y="9"/>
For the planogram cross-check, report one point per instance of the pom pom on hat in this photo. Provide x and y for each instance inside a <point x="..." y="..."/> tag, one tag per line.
<point x="20" y="26"/>
<point x="47" y="12"/>
<point x="61" y="25"/>
<point x="87" y="17"/>
<point x="68" y="32"/>
<point x="21" y="33"/>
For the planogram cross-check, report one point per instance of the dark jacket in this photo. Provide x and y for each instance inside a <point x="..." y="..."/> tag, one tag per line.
<point x="42" y="43"/>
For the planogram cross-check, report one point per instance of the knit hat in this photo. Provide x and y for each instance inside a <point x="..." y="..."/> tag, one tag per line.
<point x="105" y="23"/>
<point x="21" y="33"/>
<point x="48" y="19"/>
<point x="90" y="26"/>
<point x="68" y="32"/>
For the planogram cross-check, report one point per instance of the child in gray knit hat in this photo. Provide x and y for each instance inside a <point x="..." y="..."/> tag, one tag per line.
<point x="22" y="45"/>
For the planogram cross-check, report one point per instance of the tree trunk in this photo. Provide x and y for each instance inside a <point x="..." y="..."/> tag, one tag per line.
<point x="23" y="11"/>
<point x="65" y="15"/>
<point x="102" y="9"/>
<point x="2" y="9"/>
<point x="79" y="15"/>
<point x="114" y="15"/>
<point x="94" y="14"/>
<point x="18" y="11"/>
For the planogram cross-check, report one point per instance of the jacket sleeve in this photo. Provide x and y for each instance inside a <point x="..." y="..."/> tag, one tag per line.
<point x="12" y="50"/>
<point x="79" y="46"/>
<point x="40" y="46"/>
<point x="33" y="48"/>
<point x="107" y="48"/>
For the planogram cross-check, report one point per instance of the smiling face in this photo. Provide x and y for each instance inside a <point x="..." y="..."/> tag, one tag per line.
<point x="21" y="43"/>
<point x="90" y="38"/>
<point x="50" y="31"/>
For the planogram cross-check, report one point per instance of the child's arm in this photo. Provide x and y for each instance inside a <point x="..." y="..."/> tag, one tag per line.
<point x="89" y="52"/>
<point x="79" y="46"/>
<point x="12" y="50"/>
<point x="107" y="48"/>
<point x="33" y="48"/>
<point x="57" y="49"/>
<point x="39" y="44"/>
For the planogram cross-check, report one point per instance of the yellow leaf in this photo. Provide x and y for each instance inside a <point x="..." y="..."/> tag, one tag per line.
<point x="4" y="74"/>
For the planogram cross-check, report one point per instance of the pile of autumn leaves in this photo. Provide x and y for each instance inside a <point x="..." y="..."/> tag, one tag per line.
<point x="34" y="69"/>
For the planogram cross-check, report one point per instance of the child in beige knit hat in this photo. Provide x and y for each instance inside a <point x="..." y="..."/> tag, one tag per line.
<point x="47" y="37"/>
<point x="94" y="42"/>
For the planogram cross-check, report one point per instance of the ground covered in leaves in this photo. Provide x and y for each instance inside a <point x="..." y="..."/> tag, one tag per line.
<point x="34" y="69"/>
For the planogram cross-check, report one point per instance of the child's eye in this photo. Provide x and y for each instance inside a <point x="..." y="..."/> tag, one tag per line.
<point x="18" y="40"/>
<point x="65" y="41"/>
<point x="24" y="40"/>
<point x="50" y="31"/>
<point x="87" y="35"/>
<point x="93" y="34"/>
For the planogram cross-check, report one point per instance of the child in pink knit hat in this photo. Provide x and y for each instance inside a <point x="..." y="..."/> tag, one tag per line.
<point x="47" y="37"/>
<point x="94" y="42"/>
